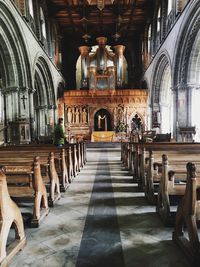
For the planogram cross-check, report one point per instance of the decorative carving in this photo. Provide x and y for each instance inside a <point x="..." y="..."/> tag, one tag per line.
<point x="121" y="107"/>
<point x="99" y="68"/>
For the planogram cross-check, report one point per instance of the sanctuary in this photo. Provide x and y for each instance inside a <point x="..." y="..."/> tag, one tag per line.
<point x="94" y="111"/>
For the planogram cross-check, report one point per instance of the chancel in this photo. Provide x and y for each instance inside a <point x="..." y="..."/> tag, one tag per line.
<point x="99" y="133"/>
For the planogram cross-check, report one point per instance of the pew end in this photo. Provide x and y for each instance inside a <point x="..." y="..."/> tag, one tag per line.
<point x="188" y="217"/>
<point x="9" y="215"/>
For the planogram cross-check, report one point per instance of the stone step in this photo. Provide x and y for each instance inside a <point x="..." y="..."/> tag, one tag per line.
<point x="104" y="145"/>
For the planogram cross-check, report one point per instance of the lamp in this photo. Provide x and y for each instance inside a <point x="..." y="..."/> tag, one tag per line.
<point x="84" y="20"/>
<point x="100" y="3"/>
<point x="119" y="20"/>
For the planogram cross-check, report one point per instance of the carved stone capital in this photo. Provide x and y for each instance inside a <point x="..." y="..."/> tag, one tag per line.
<point x="31" y="90"/>
<point x="10" y="90"/>
<point x="41" y="107"/>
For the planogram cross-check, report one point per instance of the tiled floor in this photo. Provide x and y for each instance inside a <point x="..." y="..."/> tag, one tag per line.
<point x="102" y="220"/>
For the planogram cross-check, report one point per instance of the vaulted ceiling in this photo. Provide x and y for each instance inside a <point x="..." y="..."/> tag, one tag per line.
<point x="82" y="18"/>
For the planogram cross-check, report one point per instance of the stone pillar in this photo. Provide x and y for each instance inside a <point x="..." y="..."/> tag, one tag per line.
<point x="182" y="105"/>
<point x="17" y="115"/>
<point x="42" y="123"/>
<point x="32" y="115"/>
<point x="50" y="120"/>
<point x="84" y="50"/>
<point x="119" y="50"/>
<point x="23" y="101"/>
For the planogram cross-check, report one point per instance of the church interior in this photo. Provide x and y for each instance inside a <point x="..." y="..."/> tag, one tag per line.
<point x="122" y="188"/>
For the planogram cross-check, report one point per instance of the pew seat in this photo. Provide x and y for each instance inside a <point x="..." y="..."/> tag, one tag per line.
<point x="170" y="190"/>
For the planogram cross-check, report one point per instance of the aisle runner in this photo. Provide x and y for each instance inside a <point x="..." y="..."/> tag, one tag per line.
<point x="101" y="243"/>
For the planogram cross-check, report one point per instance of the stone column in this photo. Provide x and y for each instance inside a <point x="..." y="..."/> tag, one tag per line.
<point x="84" y="50"/>
<point x="119" y="50"/>
<point x="17" y="115"/>
<point x="182" y="105"/>
<point x="50" y="120"/>
<point x="32" y="115"/>
<point x="23" y="102"/>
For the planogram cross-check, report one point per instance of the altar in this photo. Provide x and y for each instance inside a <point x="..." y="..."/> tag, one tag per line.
<point x="103" y="136"/>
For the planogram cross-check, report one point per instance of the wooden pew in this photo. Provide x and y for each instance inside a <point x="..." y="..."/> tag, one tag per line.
<point x="25" y="184"/>
<point x="49" y="173"/>
<point x="9" y="214"/>
<point x="74" y="154"/>
<point x="141" y="150"/>
<point x="166" y="189"/>
<point x="60" y="158"/>
<point x="153" y="168"/>
<point x="187" y="214"/>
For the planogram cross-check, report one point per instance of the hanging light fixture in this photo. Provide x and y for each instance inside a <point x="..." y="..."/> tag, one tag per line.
<point x="117" y="35"/>
<point x="84" y="20"/>
<point x="100" y="3"/>
<point x="119" y="20"/>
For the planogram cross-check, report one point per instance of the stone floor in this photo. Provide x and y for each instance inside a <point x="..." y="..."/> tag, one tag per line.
<point x="102" y="220"/>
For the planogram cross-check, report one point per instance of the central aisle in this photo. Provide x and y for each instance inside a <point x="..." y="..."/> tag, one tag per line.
<point x="101" y="220"/>
<point x="101" y="242"/>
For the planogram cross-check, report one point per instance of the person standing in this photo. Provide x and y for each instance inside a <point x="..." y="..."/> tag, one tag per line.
<point x="59" y="135"/>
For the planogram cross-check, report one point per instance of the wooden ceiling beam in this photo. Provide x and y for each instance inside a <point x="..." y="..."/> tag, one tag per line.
<point x="70" y="15"/>
<point x="73" y="15"/>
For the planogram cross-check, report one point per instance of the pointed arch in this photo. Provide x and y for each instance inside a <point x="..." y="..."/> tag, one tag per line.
<point x="15" y="73"/>
<point x="44" y="99"/>
<point x="16" y="66"/>
<point x="185" y="42"/>
<point x="162" y="96"/>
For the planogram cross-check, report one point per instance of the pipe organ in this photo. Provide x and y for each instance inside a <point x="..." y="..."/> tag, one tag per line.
<point x="102" y="69"/>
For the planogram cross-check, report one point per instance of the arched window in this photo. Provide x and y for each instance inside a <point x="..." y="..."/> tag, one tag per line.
<point x="159" y="19"/>
<point x="30" y="6"/>
<point x="166" y="102"/>
<point x="42" y="23"/>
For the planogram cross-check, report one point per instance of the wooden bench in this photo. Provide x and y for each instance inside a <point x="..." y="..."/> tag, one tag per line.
<point x="61" y="159"/>
<point x="187" y="214"/>
<point x="148" y="136"/>
<point x="25" y="184"/>
<point x="170" y="191"/>
<point x="162" y="137"/>
<point x="9" y="215"/>
<point x="141" y="151"/>
<point x="74" y="155"/>
<point x="153" y="168"/>
<point x="49" y="174"/>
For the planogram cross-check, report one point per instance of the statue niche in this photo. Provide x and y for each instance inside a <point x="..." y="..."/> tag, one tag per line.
<point x="101" y="69"/>
<point x="102" y="120"/>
